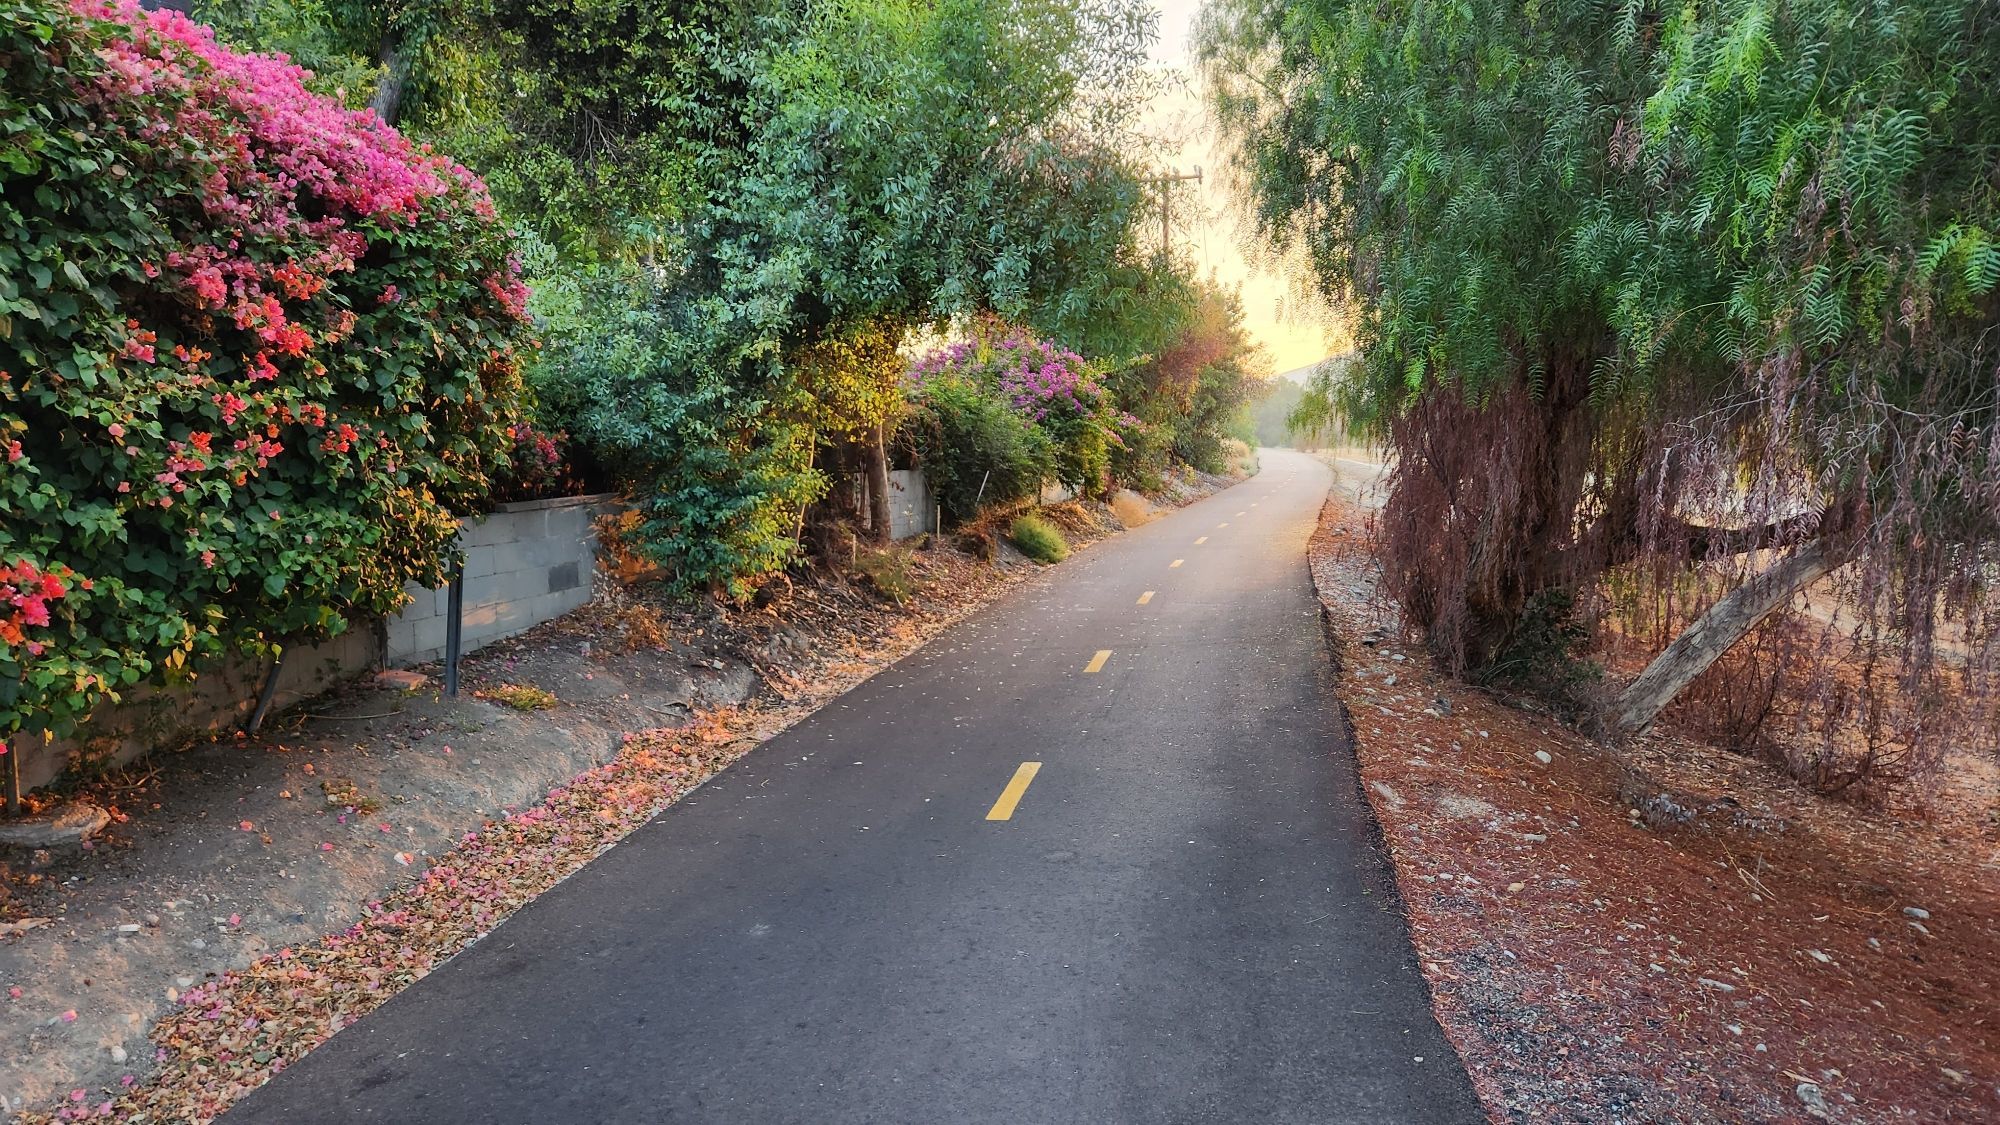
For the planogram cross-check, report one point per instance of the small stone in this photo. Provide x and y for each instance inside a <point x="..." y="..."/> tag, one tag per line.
<point x="184" y="982"/>
<point x="1543" y="757"/>
<point x="1534" y="837"/>
<point x="1818" y="956"/>
<point x="130" y="928"/>
<point x="152" y="919"/>
<point x="1814" y="1101"/>
<point x="1921" y="928"/>
<point x="198" y="943"/>
<point x="1516" y="888"/>
<point x="1875" y="944"/>
<point x="400" y="679"/>
<point x="118" y="1054"/>
<point x="1917" y="912"/>
<point x="1719" y="986"/>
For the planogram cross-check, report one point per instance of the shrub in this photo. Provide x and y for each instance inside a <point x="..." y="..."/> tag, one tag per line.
<point x="1545" y="655"/>
<point x="687" y="405"/>
<point x="1038" y="539"/>
<point x="974" y="447"/>
<point x="255" y="352"/>
<point x="1052" y="387"/>
<point x="1139" y="453"/>
<point x="888" y="571"/>
<point x="539" y="466"/>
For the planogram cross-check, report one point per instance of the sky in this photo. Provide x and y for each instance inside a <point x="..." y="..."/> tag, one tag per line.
<point x="1292" y="334"/>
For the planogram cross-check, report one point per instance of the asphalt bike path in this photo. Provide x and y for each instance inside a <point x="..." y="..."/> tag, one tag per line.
<point x="1096" y="854"/>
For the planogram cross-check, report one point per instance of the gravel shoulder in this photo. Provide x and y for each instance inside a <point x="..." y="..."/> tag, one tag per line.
<point x="1673" y="934"/>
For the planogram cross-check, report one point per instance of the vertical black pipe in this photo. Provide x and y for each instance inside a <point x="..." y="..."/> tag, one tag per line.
<point x="270" y="692"/>
<point x="454" y="621"/>
<point x="13" y="776"/>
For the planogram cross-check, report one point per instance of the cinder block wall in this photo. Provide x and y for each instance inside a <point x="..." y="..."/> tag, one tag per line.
<point x="525" y="564"/>
<point x="219" y="697"/>
<point x="911" y="507"/>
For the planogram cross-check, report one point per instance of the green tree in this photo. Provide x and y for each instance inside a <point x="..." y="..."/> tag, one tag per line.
<point x="909" y="164"/>
<point x="1667" y="282"/>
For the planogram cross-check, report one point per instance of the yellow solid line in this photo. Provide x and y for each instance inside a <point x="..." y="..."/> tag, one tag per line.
<point x="1175" y="563"/>
<point x="1145" y="597"/>
<point x="1097" y="662"/>
<point x="1003" y="809"/>
<point x="1201" y="540"/>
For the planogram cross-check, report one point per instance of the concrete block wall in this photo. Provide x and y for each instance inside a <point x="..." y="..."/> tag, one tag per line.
<point x="219" y="697"/>
<point x="525" y="564"/>
<point x="912" y="508"/>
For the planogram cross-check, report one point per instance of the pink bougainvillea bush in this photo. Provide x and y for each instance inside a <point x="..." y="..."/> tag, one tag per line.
<point x="256" y="351"/>
<point x="1050" y="386"/>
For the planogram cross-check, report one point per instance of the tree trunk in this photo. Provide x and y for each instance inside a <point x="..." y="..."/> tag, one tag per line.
<point x="397" y="64"/>
<point x="1725" y="623"/>
<point x="878" y="485"/>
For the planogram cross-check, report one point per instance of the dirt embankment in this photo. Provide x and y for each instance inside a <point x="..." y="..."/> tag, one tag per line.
<point x="180" y="962"/>
<point x="1695" y="940"/>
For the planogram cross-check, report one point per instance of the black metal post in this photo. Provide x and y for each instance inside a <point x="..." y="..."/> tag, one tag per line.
<point x="13" y="776"/>
<point x="454" y="622"/>
<point x="270" y="692"/>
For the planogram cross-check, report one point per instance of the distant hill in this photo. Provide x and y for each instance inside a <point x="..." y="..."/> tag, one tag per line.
<point x="1299" y="375"/>
<point x="1267" y="413"/>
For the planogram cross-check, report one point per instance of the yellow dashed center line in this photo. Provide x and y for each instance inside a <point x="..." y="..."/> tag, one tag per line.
<point x="1145" y="597"/>
<point x="1201" y="540"/>
<point x="1003" y="809"/>
<point x="1175" y="563"/>
<point x="1097" y="662"/>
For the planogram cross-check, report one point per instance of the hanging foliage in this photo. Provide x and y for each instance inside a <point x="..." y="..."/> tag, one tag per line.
<point x="1705" y="289"/>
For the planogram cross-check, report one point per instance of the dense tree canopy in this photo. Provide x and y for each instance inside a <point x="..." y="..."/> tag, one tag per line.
<point x="1671" y="281"/>
<point x="736" y="213"/>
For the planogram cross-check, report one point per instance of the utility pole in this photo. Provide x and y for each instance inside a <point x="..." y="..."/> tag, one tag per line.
<point x="1167" y="183"/>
